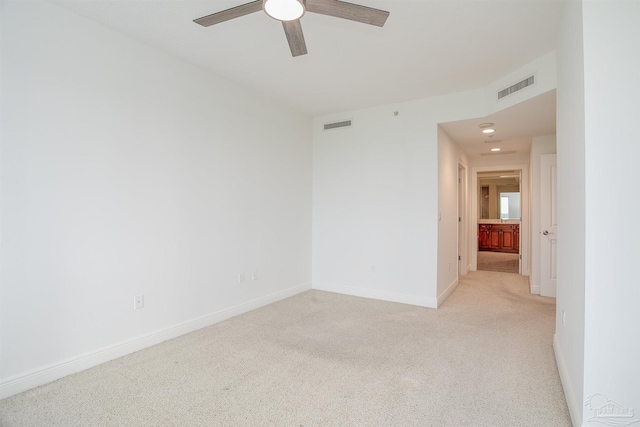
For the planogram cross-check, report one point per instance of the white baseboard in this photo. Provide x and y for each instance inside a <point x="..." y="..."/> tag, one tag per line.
<point x="22" y="382"/>
<point x="575" y="410"/>
<point x="378" y="294"/>
<point x="444" y="295"/>
<point x="535" y="290"/>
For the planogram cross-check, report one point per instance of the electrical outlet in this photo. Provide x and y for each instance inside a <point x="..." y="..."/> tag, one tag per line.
<point x="240" y="277"/>
<point x="564" y="318"/>
<point x="254" y="275"/>
<point x="138" y="302"/>
<point x="373" y="268"/>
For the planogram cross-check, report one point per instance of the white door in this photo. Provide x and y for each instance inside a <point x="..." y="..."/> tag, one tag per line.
<point x="548" y="225"/>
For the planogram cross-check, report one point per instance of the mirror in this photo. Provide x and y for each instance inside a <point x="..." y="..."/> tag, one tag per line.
<point x="499" y="195"/>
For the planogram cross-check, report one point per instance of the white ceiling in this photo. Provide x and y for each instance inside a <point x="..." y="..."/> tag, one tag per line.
<point x="514" y="127"/>
<point x="426" y="48"/>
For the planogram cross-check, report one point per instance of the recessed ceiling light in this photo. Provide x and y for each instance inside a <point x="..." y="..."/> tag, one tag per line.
<point x="487" y="127"/>
<point x="495" y="149"/>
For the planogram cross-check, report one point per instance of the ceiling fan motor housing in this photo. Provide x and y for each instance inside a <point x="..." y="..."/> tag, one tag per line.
<point x="284" y="10"/>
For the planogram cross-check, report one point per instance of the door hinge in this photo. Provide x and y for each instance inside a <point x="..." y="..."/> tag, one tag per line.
<point x="459" y="258"/>
<point x="459" y="219"/>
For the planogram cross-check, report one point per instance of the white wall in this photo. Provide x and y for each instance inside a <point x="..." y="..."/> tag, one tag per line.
<point x="539" y="145"/>
<point x="501" y="160"/>
<point x="449" y="158"/>
<point x="375" y="199"/>
<point x="612" y="291"/>
<point x="569" y="338"/>
<point x="376" y="191"/>
<point x="596" y="344"/>
<point x="125" y="172"/>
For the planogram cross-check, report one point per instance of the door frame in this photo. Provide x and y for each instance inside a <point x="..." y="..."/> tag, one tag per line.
<point x="463" y="247"/>
<point x="548" y="282"/>
<point x="525" y="234"/>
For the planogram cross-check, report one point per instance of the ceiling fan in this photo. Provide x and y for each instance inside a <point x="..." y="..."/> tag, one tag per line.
<point x="289" y="13"/>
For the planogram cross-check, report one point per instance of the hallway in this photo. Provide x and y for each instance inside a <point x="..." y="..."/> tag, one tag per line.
<point x="498" y="261"/>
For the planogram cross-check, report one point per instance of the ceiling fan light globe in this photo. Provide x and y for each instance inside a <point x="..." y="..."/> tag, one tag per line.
<point x="284" y="10"/>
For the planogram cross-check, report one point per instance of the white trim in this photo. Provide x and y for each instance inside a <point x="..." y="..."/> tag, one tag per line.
<point x="463" y="222"/>
<point x="377" y="294"/>
<point x="575" y="410"/>
<point x="47" y="374"/>
<point x="444" y="295"/>
<point x="534" y="289"/>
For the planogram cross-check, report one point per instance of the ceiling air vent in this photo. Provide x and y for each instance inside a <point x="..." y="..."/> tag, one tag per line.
<point x="498" y="153"/>
<point x="337" y="125"/>
<point x="516" y="87"/>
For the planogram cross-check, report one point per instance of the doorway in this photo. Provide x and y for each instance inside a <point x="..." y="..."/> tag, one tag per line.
<point x="499" y="223"/>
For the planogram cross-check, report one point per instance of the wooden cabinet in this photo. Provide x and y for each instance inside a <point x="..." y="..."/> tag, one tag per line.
<point x="484" y="231"/>
<point x="499" y="237"/>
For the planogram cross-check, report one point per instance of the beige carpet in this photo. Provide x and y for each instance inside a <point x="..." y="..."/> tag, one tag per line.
<point x="484" y="358"/>
<point x="498" y="261"/>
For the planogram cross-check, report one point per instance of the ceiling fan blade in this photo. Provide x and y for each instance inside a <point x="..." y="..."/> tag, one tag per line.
<point x="234" y="12"/>
<point x="354" y="12"/>
<point x="293" y="30"/>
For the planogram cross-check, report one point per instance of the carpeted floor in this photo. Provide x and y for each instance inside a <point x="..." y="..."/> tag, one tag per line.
<point x="499" y="261"/>
<point x="484" y="358"/>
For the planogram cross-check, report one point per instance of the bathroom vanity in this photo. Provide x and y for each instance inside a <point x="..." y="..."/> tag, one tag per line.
<point x="499" y="236"/>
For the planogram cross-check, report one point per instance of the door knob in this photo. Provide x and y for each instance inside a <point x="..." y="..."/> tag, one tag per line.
<point x="545" y="232"/>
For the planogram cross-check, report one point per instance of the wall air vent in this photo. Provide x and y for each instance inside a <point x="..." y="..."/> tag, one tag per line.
<point x="337" y="125"/>
<point x="516" y="87"/>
